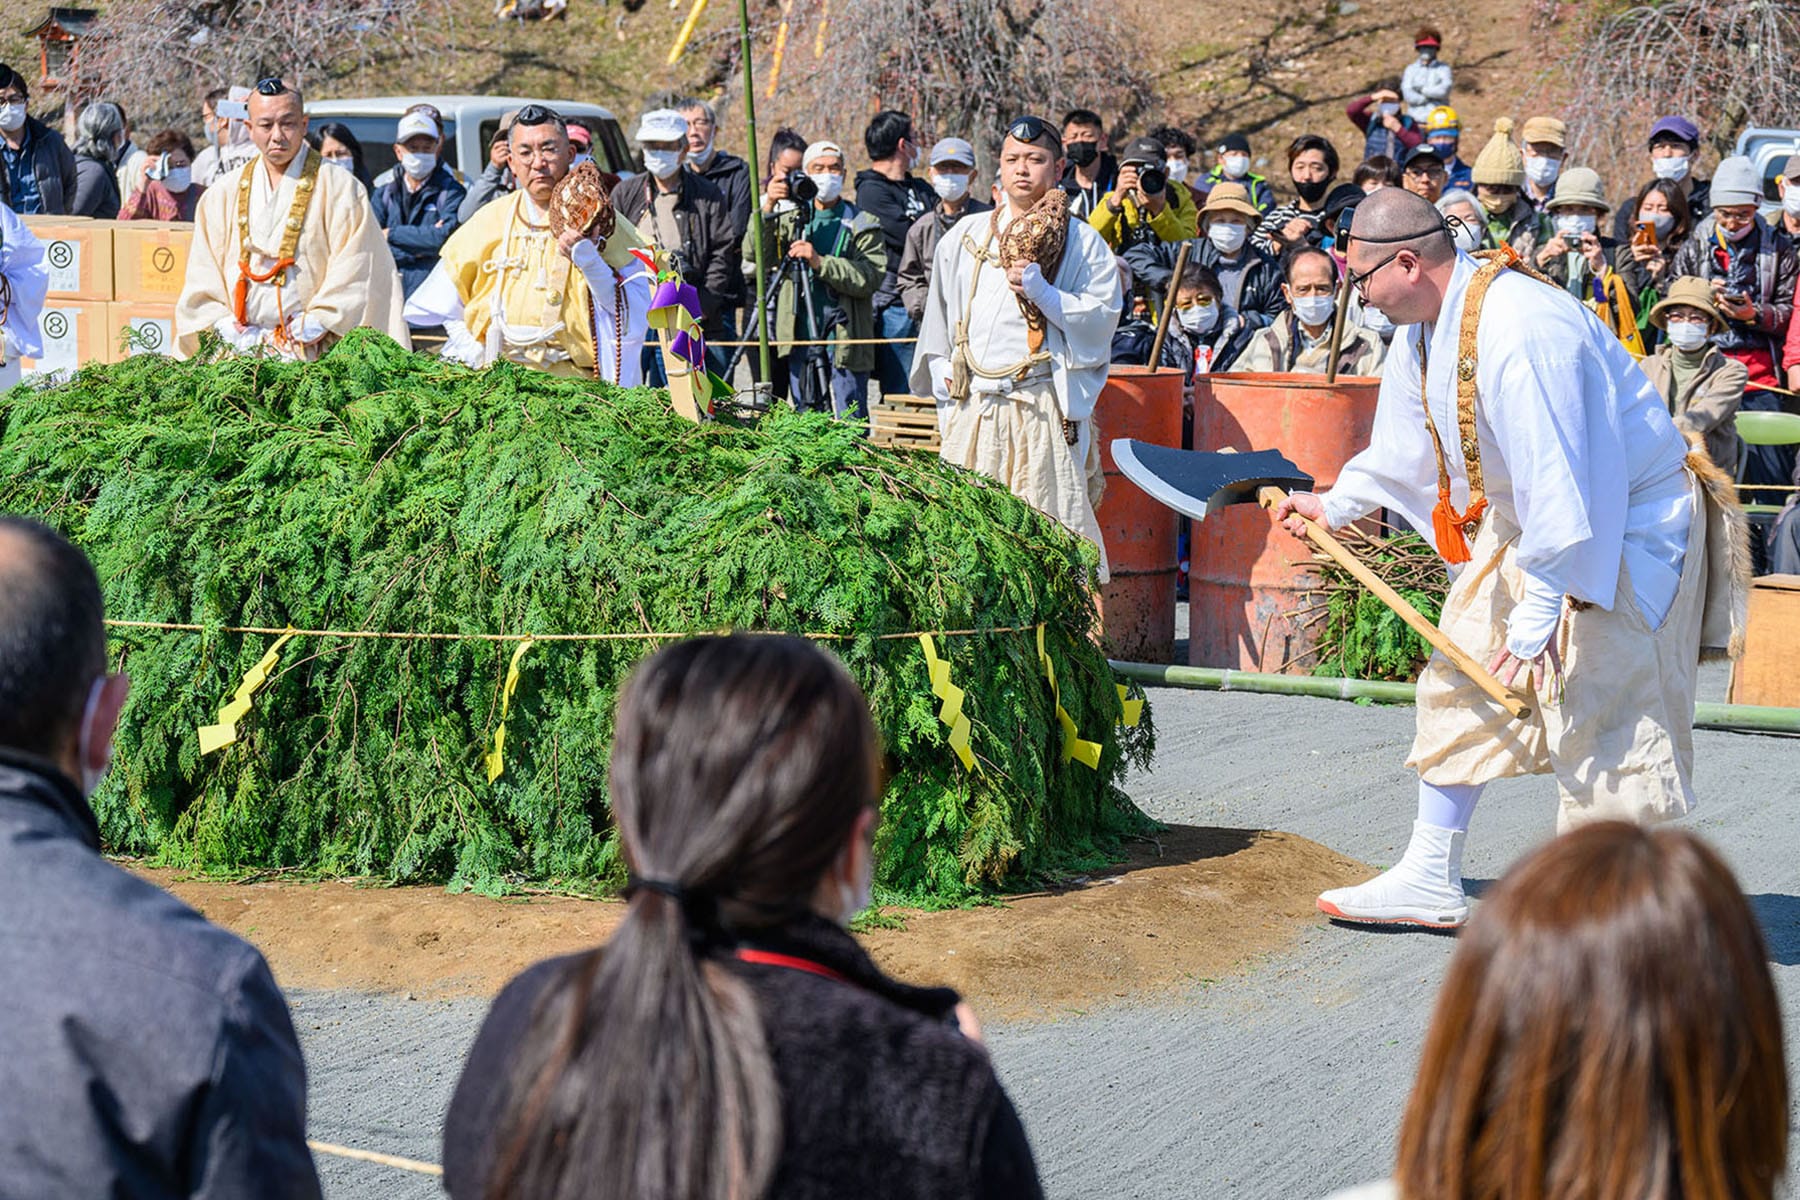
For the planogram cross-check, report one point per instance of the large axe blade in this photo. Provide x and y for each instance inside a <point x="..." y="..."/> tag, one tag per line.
<point x="1197" y="483"/>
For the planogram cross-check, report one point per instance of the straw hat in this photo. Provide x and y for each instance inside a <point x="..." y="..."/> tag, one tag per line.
<point x="1500" y="164"/>
<point x="1689" y="291"/>
<point x="1229" y="197"/>
<point x="1579" y="185"/>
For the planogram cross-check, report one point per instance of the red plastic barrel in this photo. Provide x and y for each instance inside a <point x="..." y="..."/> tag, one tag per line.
<point x="1246" y="575"/>
<point x="1137" y="608"/>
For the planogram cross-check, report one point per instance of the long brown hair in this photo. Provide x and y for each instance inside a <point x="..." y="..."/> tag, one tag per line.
<point x="1608" y="1030"/>
<point x="740" y="766"/>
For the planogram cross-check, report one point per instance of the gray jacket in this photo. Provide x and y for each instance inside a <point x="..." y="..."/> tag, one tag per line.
<point x="144" y="1052"/>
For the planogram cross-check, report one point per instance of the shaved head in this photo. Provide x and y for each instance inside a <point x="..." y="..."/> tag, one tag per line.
<point x="1390" y="219"/>
<point x="1400" y="256"/>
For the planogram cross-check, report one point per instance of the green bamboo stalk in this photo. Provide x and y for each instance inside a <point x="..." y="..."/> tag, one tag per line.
<point x="756" y="217"/>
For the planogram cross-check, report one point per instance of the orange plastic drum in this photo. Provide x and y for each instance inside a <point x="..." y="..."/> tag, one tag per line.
<point x="1137" y="609"/>
<point x="1246" y="575"/>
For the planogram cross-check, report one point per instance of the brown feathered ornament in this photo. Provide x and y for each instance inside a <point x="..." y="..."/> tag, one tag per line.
<point x="579" y="202"/>
<point x="1040" y="236"/>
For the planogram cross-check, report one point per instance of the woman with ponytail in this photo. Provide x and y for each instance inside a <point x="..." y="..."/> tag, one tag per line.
<point x="732" y="1041"/>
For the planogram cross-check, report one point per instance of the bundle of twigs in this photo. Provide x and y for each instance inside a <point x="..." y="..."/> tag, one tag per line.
<point x="1356" y="634"/>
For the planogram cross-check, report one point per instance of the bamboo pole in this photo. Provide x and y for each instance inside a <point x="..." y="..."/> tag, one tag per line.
<point x="1337" y="324"/>
<point x="1162" y="320"/>
<point x="756" y="215"/>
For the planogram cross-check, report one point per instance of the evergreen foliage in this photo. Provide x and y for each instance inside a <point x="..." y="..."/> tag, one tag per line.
<point x="1361" y="637"/>
<point x="378" y="490"/>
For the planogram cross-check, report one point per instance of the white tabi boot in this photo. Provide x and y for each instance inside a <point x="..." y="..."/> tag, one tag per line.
<point x="1423" y="888"/>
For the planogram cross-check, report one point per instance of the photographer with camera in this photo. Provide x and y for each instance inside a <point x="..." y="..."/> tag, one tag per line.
<point x="1142" y="206"/>
<point x="685" y="216"/>
<point x="829" y="261"/>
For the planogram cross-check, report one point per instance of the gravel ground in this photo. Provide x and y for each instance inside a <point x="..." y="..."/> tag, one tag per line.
<point x="1284" y="1080"/>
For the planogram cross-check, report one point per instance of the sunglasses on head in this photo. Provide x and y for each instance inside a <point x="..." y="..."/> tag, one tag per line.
<point x="1032" y="129"/>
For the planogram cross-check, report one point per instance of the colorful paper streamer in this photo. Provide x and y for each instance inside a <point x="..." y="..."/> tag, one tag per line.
<point x="675" y="309"/>
<point x="951" y="713"/>
<point x="1133" y="710"/>
<point x="225" y="733"/>
<point x="496" y="758"/>
<point x="1073" y="745"/>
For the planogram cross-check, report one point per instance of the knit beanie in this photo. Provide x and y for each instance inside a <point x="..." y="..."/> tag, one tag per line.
<point x="1500" y="164"/>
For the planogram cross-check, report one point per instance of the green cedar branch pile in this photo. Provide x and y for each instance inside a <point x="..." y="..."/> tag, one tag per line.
<point x="379" y="490"/>
<point x="1359" y="636"/>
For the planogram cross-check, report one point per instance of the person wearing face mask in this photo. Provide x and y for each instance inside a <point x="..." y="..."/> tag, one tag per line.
<point x="1388" y="130"/>
<point x="39" y="175"/>
<point x="1211" y="335"/>
<point x="496" y="178"/>
<point x="1249" y="280"/>
<point x="838" y="260"/>
<point x="165" y="189"/>
<point x="419" y="205"/>
<point x="212" y="129"/>
<point x="1144" y="207"/>
<point x="229" y="143"/>
<point x="146" y="1051"/>
<point x="1499" y="174"/>
<point x="1091" y="171"/>
<point x="1580" y="258"/>
<point x="744" y="869"/>
<point x="1788" y="184"/>
<point x="1468" y="224"/>
<point x="685" y="217"/>
<point x="99" y="133"/>
<point x="1661" y="224"/>
<point x="1312" y="169"/>
<point x="1181" y="161"/>
<point x="1232" y="165"/>
<point x="1545" y="146"/>
<point x="888" y="191"/>
<point x="1752" y="274"/>
<point x="952" y="179"/>
<point x="1674" y="147"/>
<point x="1299" y="341"/>
<point x="724" y="170"/>
<point x="340" y="150"/>
<point x="1443" y="133"/>
<point x="1425" y="84"/>
<point x="1702" y="387"/>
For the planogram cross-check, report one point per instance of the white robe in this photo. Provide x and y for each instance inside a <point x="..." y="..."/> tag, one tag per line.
<point x="27" y="279"/>
<point x="1577" y="450"/>
<point x="1081" y="307"/>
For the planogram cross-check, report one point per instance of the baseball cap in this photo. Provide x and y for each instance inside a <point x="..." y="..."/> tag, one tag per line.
<point x="1235" y="143"/>
<point x="579" y="136"/>
<point x="661" y="125"/>
<point x="415" y="123"/>
<point x="1144" y="150"/>
<point x="953" y="150"/>
<point x="819" y="149"/>
<point x="1676" y="126"/>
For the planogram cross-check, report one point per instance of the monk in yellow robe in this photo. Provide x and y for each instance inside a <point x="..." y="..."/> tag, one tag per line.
<point x="286" y="257"/>
<point x="506" y="287"/>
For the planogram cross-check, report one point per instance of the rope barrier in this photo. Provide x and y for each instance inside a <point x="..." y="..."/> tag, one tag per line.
<point x="827" y="342"/>
<point x="372" y="1156"/>
<point x="645" y="636"/>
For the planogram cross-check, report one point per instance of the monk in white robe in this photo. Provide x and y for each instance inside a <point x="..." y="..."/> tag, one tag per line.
<point x="506" y="288"/>
<point x="287" y="258"/>
<point x="1021" y="404"/>
<point x="24" y="278"/>
<point x="1606" y="551"/>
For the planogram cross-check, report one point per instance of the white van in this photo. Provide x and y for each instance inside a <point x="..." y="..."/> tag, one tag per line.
<point x="1769" y="150"/>
<point x="470" y="123"/>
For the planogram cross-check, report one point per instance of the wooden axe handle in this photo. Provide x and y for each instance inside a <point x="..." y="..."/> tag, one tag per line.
<point x="1518" y="705"/>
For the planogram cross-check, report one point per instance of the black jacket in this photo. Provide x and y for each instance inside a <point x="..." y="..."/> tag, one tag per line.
<point x="96" y="189"/>
<point x="1763" y="267"/>
<point x="709" y="254"/>
<point x="1082" y="201"/>
<point x="144" y="1052"/>
<point x="731" y="175"/>
<point x="896" y="204"/>
<point x="54" y="165"/>
<point x="1152" y="263"/>
<point x="881" y="1097"/>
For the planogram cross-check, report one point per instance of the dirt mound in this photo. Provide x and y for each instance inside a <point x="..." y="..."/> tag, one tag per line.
<point x="1188" y="906"/>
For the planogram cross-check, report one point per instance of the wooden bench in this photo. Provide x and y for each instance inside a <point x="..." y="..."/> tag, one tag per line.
<point x="904" y="423"/>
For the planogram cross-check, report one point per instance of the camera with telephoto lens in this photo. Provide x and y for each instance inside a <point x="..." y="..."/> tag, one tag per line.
<point x="801" y="187"/>
<point x="1152" y="180"/>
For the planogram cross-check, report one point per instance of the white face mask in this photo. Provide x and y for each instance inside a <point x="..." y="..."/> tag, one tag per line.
<point x="1542" y="170"/>
<point x="1738" y="235"/>
<point x="1573" y="225"/>
<point x="830" y="186"/>
<point x="1177" y="169"/>
<point x="416" y="165"/>
<point x="950" y="186"/>
<point x="84" y="742"/>
<point x="854" y="898"/>
<point x="341" y="160"/>
<point x="1467" y="236"/>
<point x="12" y="116"/>
<point x="1675" y="168"/>
<point x="1314" y="311"/>
<point x="662" y="163"/>
<point x="1790" y="198"/>
<point x="1661" y="222"/>
<point x="1229" y="238"/>
<point x="179" y="179"/>
<point x="1199" y="320"/>
<point x="1236" y="165"/>
<point x="1374" y="318"/>
<point x="1688" y="335"/>
<point x="703" y="156"/>
<point x="1390" y="108"/>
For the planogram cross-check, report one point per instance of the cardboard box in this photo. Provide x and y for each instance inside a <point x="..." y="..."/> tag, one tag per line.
<point x="152" y="328"/>
<point x="150" y="260"/>
<point x="78" y="252"/>
<point x="1769" y="672"/>
<point x="75" y="335"/>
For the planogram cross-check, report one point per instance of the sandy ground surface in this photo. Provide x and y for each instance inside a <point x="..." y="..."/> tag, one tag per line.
<point x="1281" y="1076"/>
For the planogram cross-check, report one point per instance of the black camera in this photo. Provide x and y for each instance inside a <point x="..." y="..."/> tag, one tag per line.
<point x="801" y="187"/>
<point x="1152" y="180"/>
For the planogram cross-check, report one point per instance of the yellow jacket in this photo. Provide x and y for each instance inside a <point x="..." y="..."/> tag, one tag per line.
<point x="1177" y="222"/>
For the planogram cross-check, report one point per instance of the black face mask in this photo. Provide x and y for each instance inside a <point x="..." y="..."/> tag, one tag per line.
<point x="1082" y="154"/>
<point x="1312" y="193"/>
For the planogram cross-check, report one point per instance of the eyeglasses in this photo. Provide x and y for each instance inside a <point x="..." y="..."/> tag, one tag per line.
<point x="272" y="86"/>
<point x="1359" y="280"/>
